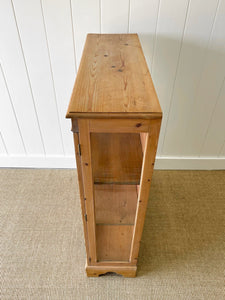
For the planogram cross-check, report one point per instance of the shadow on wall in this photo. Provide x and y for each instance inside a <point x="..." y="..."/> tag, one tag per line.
<point x="188" y="77"/>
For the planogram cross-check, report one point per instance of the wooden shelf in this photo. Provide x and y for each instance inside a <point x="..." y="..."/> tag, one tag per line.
<point x="115" y="209"/>
<point x="116" y="157"/>
<point x="115" y="204"/>
<point x="113" y="242"/>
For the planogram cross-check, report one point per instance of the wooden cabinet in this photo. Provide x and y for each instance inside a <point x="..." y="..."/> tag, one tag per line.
<point x="116" y="120"/>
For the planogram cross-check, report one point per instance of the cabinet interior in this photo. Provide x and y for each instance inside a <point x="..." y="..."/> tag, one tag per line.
<point x="116" y="164"/>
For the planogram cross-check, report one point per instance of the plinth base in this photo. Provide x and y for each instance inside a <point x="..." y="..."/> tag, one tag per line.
<point x="126" y="271"/>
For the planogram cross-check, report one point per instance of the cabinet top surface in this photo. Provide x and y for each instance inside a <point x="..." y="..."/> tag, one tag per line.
<point x="113" y="80"/>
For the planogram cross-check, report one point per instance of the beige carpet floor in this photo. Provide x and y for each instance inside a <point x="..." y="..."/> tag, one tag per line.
<point x="182" y="253"/>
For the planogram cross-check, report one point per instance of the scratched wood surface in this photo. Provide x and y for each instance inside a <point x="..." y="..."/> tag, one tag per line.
<point x="113" y="78"/>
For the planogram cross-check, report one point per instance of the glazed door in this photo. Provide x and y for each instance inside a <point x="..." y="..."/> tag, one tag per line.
<point x="117" y="161"/>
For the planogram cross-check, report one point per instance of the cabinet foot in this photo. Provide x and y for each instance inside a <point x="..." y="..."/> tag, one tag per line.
<point x="126" y="271"/>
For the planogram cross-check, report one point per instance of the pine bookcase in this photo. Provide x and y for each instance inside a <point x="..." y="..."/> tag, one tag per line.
<point x="116" y="119"/>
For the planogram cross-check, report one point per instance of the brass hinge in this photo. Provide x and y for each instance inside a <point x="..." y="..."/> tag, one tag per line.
<point x="79" y="149"/>
<point x="85" y="217"/>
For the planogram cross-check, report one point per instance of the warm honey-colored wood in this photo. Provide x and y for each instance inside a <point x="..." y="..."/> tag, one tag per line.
<point x="122" y="125"/>
<point x="126" y="271"/>
<point x="114" y="263"/>
<point x="117" y="116"/>
<point x="113" y="78"/>
<point x="84" y="138"/>
<point x="81" y="188"/>
<point x="114" y="242"/>
<point x="115" y="204"/>
<point x="75" y="126"/>
<point x="146" y="176"/>
<point x="116" y="120"/>
<point x="116" y="157"/>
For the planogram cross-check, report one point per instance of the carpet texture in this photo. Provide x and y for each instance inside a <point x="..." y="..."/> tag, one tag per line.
<point x="182" y="254"/>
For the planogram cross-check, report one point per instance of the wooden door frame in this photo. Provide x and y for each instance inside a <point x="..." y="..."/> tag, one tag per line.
<point x="82" y="128"/>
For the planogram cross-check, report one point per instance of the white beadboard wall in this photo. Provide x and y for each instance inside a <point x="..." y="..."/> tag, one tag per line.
<point x="41" y="43"/>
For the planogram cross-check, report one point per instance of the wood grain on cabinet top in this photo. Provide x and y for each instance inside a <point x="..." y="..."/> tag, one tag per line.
<point x="113" y="80"/>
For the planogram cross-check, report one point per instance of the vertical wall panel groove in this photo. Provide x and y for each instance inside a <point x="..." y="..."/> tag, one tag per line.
<point x="155" y="36"/>
<point x="52" y="77"/>
<point x="215" y="134"/>
<point x="15" y="72"/>
<point x="100" y="16"/>
<point x="209" y="84"/>
<point x="3" y="148"/>
<point x="211" y="117"/>
<point x="74" y="46"/>
<point x="166" y="116"/>
<point x="59" y="34"/>
<point x="205" y="54"/>
<point x="222" y="150"/>
<point x="196" y="34"/>
<point x="192" y="129"/>
<point x="13" y="109"/>
<point x="128" y="25"/>
<point x="86" y="19"/>
<point x="143" y="19"/>
<point x="31" y="29"/>
<point x="8" y="124"/>
<point x="30" y="88"/>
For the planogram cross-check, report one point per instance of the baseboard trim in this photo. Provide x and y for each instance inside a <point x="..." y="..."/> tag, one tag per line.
<point x="68" y="162"/>
<point x="28" y="161"/>
<point x="190" y="163"/>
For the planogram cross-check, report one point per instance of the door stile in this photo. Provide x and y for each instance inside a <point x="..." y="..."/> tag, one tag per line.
<point x="81" y="188"/>
<point x="149" y="153"/>
<point x="85" y="150"/>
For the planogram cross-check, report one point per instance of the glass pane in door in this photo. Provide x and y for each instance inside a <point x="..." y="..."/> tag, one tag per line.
<point x="116" y="164"/>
